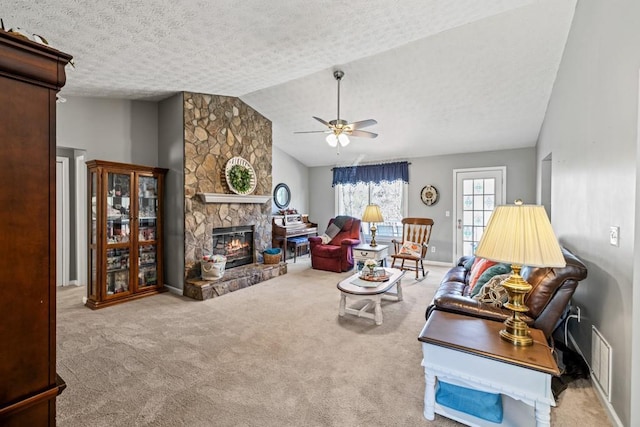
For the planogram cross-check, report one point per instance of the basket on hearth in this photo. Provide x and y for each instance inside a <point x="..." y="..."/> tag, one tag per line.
<point x="212" y="266"/>
<point x="272" y="256"/>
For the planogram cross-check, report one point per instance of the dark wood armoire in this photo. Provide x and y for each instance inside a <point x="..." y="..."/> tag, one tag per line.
<point x="30" y="76"/>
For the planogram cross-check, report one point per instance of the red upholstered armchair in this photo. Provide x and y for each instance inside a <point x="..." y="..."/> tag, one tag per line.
<point x="337" y="255"/>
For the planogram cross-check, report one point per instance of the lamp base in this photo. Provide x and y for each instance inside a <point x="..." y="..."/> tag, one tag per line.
<point x="516" y="330"/>
<point x="373" y="230"/>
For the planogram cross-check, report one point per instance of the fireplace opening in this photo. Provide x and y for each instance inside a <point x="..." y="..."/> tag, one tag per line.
<point x="236" y="243"/>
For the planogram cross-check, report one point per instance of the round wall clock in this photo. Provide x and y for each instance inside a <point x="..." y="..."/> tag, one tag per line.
<point x="429" y="195"/>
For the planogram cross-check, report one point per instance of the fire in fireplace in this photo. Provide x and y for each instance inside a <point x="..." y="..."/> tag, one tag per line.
<point x="236" y="243"/>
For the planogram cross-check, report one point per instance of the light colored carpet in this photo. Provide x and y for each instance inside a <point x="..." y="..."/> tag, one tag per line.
<point x="275" y="354"/>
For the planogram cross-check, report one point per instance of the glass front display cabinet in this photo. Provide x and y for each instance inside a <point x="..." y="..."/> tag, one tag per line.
<point x="125" y="232"/>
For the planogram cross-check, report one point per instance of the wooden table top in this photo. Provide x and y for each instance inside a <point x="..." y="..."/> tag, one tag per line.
<point x="347" y="286"/>
<point x="481" y="337"/>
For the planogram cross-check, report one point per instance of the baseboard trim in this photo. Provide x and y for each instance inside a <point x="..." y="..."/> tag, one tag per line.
<point x="173" y="290"/>
<point x="611" y="412"/>
<point x="439" y="263"/>
<point x="74" y="283"/>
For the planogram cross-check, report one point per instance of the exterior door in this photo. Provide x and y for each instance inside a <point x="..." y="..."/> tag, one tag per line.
<point x="477" y="193"/>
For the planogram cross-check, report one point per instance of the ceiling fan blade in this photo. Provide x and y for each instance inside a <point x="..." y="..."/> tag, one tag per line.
<point x="313" y="131"/>
<point x="362" y="124"/>
<point x="363" y="134"/>
<point x="324" y="122"/>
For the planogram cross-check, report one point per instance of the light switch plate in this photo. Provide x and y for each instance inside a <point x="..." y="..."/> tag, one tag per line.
<point x="614" y="236"/>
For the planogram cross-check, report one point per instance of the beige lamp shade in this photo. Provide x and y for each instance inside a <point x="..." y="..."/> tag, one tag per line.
<point x="372" y="214"/>
<point x="522" y="235"/>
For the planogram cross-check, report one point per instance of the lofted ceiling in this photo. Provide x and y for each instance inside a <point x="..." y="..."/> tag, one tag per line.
<point x="439" y="76"/>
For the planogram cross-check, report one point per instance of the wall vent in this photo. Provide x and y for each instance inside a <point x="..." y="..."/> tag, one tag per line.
<point x="601" y="361"/>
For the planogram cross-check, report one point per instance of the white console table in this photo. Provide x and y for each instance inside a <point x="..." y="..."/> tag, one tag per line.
<point x="468" y="351"/>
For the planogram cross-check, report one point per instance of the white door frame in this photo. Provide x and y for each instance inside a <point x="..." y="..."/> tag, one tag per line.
<point x="457" y="215"/>
<point x="62" y="221"/>
<point x="81" y="217"/>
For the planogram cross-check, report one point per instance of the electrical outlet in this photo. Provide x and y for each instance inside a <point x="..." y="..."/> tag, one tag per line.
<point x="614" y="236"/>
<point x="433" y="248"/>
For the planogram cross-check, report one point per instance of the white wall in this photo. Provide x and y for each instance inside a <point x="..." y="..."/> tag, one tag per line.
<point x="171" y="156"/>
<point x="437" y="171"/>
<point x="117" y="130"/>
<point x="288" y="170"/>
<point x="591" y="131"/>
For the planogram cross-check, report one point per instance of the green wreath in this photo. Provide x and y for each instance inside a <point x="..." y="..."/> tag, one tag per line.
<point x="240" y="178"/>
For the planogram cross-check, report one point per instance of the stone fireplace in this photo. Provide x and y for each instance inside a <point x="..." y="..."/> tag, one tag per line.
<point x="216" y="129"/>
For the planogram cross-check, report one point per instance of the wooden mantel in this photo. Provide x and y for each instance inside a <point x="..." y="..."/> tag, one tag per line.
<point x="233" y="198"/>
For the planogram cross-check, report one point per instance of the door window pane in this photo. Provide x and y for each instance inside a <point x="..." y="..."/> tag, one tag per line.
<point x="478" y="201"/>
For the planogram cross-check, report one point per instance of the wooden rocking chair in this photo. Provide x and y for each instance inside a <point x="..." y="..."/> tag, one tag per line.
<point x="414" y="245"/>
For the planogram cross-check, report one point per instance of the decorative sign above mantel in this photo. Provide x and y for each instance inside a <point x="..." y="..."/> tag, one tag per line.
<point x="233" y="198"/>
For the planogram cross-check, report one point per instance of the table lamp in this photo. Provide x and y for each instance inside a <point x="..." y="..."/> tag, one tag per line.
<point x="372" y="215"/>
<point x="519" y="235"/>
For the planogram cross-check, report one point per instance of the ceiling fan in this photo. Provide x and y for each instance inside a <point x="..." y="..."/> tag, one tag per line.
<point x="340" y="130"/>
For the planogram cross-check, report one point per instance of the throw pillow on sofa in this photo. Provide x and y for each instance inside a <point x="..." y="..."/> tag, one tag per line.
<point x="469" y="263"/>
<point x="490" y="272"/>
<point x="493" y="293"/>
<point x="479" y="267"/>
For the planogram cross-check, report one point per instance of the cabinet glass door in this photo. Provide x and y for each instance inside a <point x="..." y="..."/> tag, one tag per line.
<point x="147" y="230"/>
<point x="118" y="231"/>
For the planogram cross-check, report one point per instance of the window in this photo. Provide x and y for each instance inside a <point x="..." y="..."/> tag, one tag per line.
<point x="384" y="184"/>
<point x="390" y="196"/>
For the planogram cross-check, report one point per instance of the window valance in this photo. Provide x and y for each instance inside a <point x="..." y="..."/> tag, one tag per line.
<point x="371" y="173"/>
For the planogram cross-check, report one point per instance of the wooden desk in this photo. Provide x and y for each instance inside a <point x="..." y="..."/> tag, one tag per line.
<point x="469" y="352"/>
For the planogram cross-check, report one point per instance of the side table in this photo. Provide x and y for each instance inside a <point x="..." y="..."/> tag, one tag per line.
<point x="361" y="253"/>
<point x="468" y="352"/>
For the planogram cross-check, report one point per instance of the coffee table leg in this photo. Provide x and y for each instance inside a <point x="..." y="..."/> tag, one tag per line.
<point x="399" y="288"/>
<point x="429" y="396"/>
<point x="378" y="311"/>
<point x="343" y="304"/>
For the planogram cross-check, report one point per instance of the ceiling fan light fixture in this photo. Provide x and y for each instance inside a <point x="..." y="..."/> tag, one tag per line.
<point x="332" y="140"/>
<point x="343" y="140"/>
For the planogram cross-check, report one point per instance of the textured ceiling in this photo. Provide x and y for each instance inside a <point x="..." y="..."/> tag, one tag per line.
<point x="439" y="76"/>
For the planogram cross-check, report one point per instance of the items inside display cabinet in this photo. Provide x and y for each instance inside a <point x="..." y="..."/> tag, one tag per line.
<point x="117" y="271"/>
<point x="147" y="266"/>
<point x="118" y="208"/>
<point x="147" y="187"/>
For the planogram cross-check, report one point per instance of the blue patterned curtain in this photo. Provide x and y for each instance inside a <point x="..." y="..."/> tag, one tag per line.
<point x="371" y="173"/>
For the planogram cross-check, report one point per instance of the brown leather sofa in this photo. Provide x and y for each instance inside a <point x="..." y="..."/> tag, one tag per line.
<point x="552" y="290"/>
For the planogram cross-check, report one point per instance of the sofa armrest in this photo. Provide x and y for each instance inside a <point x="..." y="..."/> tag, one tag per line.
<point x="314" y="241"/>
<point x="449" y="297"/>
<point x="350" y="242"/>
